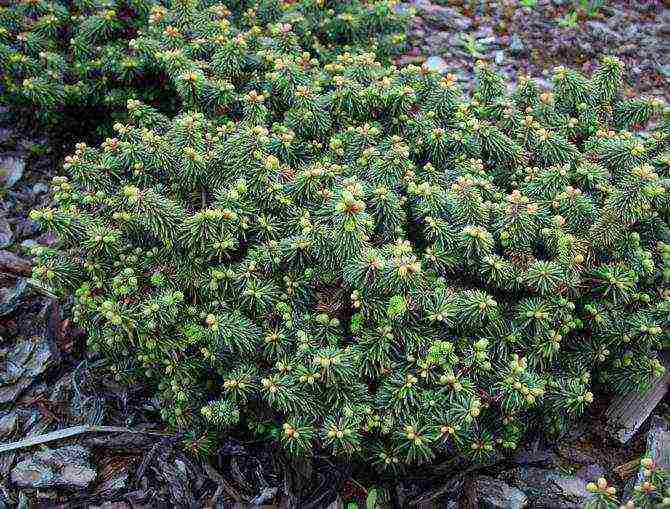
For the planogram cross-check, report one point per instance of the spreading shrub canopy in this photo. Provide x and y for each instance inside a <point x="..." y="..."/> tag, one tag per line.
<point x="63" y="55"/>
<point x="58" y="54"/>
<point x="363" y="258"/>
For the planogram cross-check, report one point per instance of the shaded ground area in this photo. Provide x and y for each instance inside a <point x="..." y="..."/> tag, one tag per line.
<point x="525" y="40"/>
<point x="49" y="383"/>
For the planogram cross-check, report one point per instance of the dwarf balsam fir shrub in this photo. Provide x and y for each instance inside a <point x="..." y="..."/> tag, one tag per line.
<point x="363" y="259"/>
<point x="209" y="54"/>
<point x="60" y="54"/>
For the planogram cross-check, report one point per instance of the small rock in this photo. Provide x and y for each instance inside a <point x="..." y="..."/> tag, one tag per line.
<point x="417" y="33"/>
<point x="547" y="488"/>
<point x="516" y="45"/>
<point x="602" y="30"/>
<point x="5" y="232"/>
<point x="461" y="23"/>
<point x="402" y="8"/>
<point x="11" y="170"/>
<point x="438" y="43"/>
<point x="405" y="60"/>
<point x="586" y="48"/>
<point x="436" y="63"/>
<point x="485" y="32"/>
<point x="422" y="5"/>
<point x="68" y="467"/>
<point x="28" y="244"/>
<point x="40" y="188"/>
<point x="490" y="493"/>
<point x="443" y="17"/>
<point x="591" y="472"/>
<point x="499" y="57"/>
<point x="632" y="31"/>
<point x="665" y="70"/>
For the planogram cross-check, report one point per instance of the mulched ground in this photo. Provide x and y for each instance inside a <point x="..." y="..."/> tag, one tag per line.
<point x="523" y="40"/>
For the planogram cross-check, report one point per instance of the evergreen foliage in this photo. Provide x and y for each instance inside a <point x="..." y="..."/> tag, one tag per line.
<point x="365" y="259"/>
<point x="57" y="54"/>
<point x="652" y="493"/>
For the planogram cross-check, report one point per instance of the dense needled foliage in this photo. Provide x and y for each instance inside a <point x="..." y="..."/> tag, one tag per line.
<point x="361" y="258"/>
<point x="652" y="492"/>
<point x="58" y="55"/>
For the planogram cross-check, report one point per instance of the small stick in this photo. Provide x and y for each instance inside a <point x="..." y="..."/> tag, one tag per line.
<point x="67" y="433"/>
<point x="626" y="470"/>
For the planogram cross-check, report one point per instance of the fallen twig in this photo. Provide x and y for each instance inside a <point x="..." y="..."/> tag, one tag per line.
<point x="71" y="432"/>
<point x="40" y="287"/>
<point x="626" y="470"/>
<point x="222" y="483"/>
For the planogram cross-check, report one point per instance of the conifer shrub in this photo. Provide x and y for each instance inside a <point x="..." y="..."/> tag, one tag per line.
<point x="57" y="54"/>
<point x="348" y="256"/>
<point x="210" y="53"/>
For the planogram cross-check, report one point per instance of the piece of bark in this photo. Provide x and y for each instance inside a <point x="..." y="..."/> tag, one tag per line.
<point x="628" y="412"/>
<point x="13" y="264"/>
<point x="658" y="442"/>
<point x="626" y="470"/>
